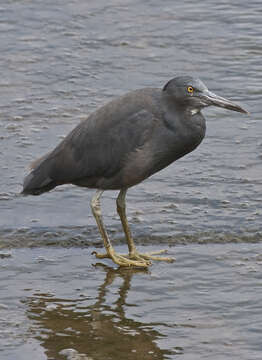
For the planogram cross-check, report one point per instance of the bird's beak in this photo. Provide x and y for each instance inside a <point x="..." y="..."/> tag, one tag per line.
<point x="210" y="98"/>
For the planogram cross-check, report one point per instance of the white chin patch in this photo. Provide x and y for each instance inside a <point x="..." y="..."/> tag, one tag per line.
<point x="194" y="111"/>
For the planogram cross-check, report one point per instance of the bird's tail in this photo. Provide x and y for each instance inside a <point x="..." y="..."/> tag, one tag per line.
<point x="38" y="180"/>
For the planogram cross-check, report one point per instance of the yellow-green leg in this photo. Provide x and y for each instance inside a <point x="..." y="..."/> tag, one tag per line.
<point x="133" y="253"/>
<point x="110" y="252"/>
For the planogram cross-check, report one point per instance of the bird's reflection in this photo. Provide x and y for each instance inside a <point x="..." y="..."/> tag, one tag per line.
<point x="98" y="329"/>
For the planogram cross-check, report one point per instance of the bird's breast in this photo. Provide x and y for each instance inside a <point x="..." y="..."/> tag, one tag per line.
<point x="194" y="129"/>
<point x="185" y="132"/>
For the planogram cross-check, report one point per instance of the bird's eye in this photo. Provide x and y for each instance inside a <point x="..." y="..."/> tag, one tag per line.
<point x="190" y="89"/>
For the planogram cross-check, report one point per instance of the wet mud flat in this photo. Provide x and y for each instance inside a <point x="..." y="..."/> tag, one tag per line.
<point x="59" y="303"/>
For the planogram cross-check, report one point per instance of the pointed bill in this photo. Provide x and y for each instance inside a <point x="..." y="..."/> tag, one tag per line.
<point x="209" y="98"/>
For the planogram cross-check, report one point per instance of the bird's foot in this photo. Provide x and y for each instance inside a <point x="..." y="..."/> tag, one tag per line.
<point x="134" y="258"/>
<point x="151" y="256"/>
<point x="123" y="260"/>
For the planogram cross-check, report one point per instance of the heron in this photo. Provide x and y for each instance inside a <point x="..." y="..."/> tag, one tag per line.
<point x="123" y="143"/>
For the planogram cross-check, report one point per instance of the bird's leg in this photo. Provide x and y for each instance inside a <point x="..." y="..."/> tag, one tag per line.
<point x="133" y="253"/>
<point x="121" y="209"/>
<point x="110" y="252"/>
<point x="96" y="209"/>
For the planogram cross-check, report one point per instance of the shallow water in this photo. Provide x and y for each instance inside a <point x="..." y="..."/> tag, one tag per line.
<point x="61" y="60"/>
<point x="207" y="305"/>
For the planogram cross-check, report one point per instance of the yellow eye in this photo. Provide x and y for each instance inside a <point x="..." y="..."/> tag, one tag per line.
<point x="190" y="89"/>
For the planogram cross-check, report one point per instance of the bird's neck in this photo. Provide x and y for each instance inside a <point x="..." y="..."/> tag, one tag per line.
<point x="185" y="122"/>
<point x="174" y="113"/>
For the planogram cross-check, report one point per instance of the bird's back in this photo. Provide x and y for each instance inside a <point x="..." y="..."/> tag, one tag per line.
<point x="95" y="150"/>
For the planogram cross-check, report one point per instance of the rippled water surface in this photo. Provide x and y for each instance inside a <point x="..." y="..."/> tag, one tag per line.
<point x="208" y="305"/>
<point x="59" y="61"/>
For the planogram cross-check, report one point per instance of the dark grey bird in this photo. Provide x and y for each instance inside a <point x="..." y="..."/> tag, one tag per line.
<point x="123" y="143"/>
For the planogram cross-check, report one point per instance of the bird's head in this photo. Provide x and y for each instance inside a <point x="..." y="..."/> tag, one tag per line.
<point x="193" y="94"/>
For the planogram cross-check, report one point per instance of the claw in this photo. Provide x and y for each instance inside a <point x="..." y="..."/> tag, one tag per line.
<point x="151" y="256"/>
<point x="135" y="259"/>
<point x="122" y="260"/>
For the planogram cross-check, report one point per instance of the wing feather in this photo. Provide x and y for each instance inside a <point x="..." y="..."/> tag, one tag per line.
<point x="94" y="150"/>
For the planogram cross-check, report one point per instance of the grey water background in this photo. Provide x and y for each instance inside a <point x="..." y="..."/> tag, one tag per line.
<point x="59" y="61"/>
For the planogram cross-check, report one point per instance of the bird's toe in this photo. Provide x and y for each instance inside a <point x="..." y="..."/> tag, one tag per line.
<point x="123" y="260"/>
<point x="152" y="256"/>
